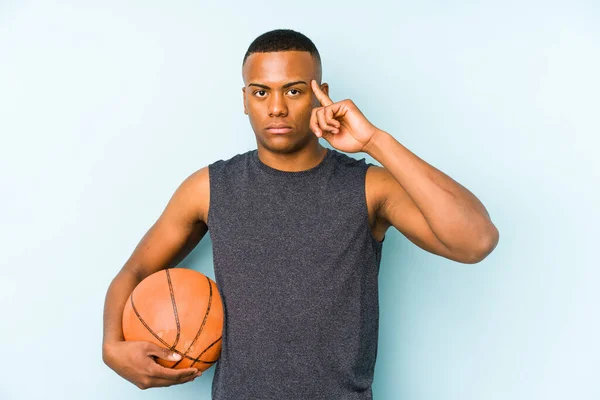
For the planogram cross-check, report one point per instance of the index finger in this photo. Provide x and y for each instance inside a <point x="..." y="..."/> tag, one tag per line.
<point x="323" y="98"/>
<point x="158" y="371"/>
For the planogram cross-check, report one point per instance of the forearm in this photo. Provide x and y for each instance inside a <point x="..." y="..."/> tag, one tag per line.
<point x="116" y="296"/>
<point x="458" y="219"/>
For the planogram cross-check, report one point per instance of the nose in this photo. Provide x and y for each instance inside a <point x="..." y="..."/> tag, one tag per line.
<point x="277" y="105"/>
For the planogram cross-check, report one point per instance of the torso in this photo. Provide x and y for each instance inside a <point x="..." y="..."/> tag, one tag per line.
<point x="373" y="197"/>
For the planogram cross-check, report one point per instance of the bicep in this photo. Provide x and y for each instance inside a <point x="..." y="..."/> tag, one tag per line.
<point x="177" y="231"/>
<point x="400" y="211"/>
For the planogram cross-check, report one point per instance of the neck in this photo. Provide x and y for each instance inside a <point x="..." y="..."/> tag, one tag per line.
<point x="301" y="160"/>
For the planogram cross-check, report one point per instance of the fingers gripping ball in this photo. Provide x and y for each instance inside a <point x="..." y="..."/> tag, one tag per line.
<point x="178" y="309"/>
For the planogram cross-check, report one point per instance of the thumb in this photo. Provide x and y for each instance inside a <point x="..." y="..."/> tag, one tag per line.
<point x="162" y="352"/>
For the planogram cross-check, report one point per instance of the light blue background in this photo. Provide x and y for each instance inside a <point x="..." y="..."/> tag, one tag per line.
<point x="106" y="107"/>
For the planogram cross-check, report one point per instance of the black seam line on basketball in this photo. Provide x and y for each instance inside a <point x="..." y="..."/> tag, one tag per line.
<point x="201" y="326"/>
<point x="208" y="309"/>
<point x="190" y="358"/>
<point x="183" y="356"/>
<point x="172" y="293"/>
<point x="205" y="350"/>
<point x="166" y="344"/>
<point x="145" y="324"/>
<point x="197" y="359"/>
<point x="203" y="321"/>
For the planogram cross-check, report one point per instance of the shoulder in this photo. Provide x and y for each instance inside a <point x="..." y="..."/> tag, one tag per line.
<point x="232" y="162"/>
<point x="193" y="194"/>
<point x="346" y="160"/>
<point x="378" y="178"/>
<point x="378" y="182"/>
<point x="198" y="183"/>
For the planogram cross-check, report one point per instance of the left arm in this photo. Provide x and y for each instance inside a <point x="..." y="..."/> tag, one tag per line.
<point x="427" y="205"/>
<point x="456" y="217"/>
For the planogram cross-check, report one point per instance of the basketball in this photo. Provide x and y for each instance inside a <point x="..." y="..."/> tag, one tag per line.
<point x="179" y="309"/>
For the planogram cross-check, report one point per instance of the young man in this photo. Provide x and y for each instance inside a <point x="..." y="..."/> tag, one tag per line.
<point x="297" y="232"/>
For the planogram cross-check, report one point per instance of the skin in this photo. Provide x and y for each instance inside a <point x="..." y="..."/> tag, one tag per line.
<point x="442" y="210"/>
<point x="268" y="99"/>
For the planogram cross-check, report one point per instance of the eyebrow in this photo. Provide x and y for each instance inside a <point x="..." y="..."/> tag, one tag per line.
<point x="287" y="85"/>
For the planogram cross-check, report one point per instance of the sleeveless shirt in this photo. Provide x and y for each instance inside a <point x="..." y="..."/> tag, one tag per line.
<point x="297" y="269"/>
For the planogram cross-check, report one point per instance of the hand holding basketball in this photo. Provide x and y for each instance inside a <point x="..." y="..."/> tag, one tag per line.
<point x="172" y="325"/>
<point x="135" y="361"/>
<point x="178" y="309"/>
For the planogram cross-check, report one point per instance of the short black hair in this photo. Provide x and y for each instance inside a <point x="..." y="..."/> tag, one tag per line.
<point x="282" y="40"/>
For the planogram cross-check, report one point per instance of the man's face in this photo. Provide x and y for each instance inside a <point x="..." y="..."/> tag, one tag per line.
<point x="277" y="91"/>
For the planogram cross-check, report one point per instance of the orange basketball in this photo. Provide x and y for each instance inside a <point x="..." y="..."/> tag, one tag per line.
<point x="179" y="309"/>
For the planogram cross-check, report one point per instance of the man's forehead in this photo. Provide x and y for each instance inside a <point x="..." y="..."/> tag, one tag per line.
<point x="279" y="68"/>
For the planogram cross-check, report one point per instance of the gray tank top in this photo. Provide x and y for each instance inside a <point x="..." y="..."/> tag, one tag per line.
<point x="297" y="266"/>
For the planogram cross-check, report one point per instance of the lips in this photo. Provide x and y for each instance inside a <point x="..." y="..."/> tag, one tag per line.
<point x="278" y="128"/>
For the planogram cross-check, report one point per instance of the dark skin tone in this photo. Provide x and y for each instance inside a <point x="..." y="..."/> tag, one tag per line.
<point x="277" y="90"/>
<point x="438" y="215"/>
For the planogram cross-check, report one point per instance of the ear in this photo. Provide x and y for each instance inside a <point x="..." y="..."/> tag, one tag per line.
<point x="244" y="95"/>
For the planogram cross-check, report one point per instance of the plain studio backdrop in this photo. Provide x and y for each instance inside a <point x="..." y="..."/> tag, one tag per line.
<point x="106" y="107"/>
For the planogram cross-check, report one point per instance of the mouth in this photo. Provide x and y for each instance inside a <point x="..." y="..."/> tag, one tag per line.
<point x="279" y="131"/>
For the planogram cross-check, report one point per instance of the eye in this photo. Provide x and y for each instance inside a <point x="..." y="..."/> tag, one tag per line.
<point x="295" y="90"/>
<point x="259" y="91"/>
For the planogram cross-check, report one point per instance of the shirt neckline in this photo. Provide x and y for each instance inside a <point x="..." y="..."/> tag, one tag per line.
<point x="278" y="172"/>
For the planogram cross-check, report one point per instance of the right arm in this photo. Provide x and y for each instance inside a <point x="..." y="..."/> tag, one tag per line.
<point x="177" y="231"/>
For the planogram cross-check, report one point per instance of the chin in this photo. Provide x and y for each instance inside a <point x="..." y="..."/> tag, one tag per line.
<point x="287" y="144"/>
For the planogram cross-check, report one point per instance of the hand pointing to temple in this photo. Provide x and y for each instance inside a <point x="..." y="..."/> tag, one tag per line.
<point x="342" y="124"/>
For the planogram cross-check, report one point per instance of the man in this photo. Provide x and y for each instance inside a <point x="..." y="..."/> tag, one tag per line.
<point x="297" y="232"/>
